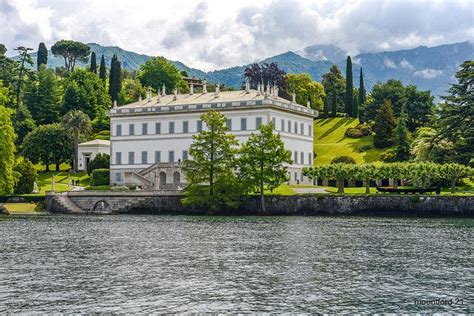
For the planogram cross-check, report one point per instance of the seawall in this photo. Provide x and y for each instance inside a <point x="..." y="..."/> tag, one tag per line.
<point x="170" y="203"/>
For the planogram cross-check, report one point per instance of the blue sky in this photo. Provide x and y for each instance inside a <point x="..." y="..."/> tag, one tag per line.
<point x="217" y="34"/>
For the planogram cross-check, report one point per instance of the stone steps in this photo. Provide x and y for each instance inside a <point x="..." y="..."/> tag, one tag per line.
<point x="65" y="205"/>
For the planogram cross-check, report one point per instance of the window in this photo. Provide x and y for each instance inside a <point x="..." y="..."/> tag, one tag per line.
<point x="144" y="157"/>
<point x="185" y="127"/>
<point x="295" y="157"/>
<point x="171" y="131"/>
<point x="199" y="126"/>
<point x="118" y="130"/>
<point x="243" y="124"/>
<point x="144" y="128"/>
<point x="185" y="155"/>
<point x="296" y="128"/>
<point x="258" y="122"/>
<point x="157" y="156"/>
<point x="289" y="127"/>
<point x="282" y="125"/>
<point x="131" y="129"/>
<point x="131" y="158"/>
<point x="310" y="130"/>
<point x="118" y="177"/>
<point x="118" y="158"/>
<point x="157" y="128"/>
<point x="171" y="156"/>
<point x="302" y="158"/>
<point x="302" y="129"/>
<point x="229" y="124"/>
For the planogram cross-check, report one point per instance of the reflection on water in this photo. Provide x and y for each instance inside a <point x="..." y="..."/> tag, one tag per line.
<point x="157" y="264"/>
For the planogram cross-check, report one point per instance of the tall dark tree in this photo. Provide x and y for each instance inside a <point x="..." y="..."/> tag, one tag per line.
<point x="349" y="96"/>
<point x="25" y="59"/>
<point x="384" y="125"/>
<point x="334" y="103"/>
<point x="362" y="92"/>
<point x="42" y="56"/>
<point x="93" y="63"/>
<point x="72" y="52"/>
<point x="115" y="78"/>
<point x="355" y="104"/>
<point x="333" y="81"/>
<point x="102" y="69"/>
<point x="267" y="74"/>
<point x="402" y="150"/>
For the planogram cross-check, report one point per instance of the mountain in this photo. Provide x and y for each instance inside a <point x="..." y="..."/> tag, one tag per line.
<point x="429" y="68"/>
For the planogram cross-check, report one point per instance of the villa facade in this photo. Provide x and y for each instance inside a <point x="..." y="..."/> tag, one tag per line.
<point x="151" y="138"/>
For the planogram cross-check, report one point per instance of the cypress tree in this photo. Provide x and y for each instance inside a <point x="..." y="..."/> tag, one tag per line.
<point x="93" y="63"/>
<point x="102" y="69"/>
<point x="384" y="125"/>
<point x="326" y="106"/>
<point x="115" y="82"/>
<point x="42" y="55"/>
<point x="349" y="99"/>
<point x="362" y="93"/>
<point x="403" y="144"/>
<point x="334" y="103"/>
<point x="355" y="106"/>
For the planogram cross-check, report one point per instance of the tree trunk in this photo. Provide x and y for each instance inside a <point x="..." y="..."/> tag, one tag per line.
<point x="47" y="167"/>
<point x="57" y="166"/>
<point x="453" y="185"/>
<point x="262" y="201"/>
<point x="367" y="186"/>
<point x="340" y="185"/>
<point x="76" y="152"/>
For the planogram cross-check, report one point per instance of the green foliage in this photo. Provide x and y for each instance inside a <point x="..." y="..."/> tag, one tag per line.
<point x="71" y="51"/>
<point x="43" y="97"/>
<point x="384" y="125"/>
<point x="131" y="91"/>
<point x="101" y="121"/>
<point x="20" y="71"/>
<point x="349" y="97"/>
<point x="334" y="87"/>
<point x="158" y="71"/>
<point x="7" y="151"/>
<point x="212" y="183"/>
<point x="100" y="177"/>
<point x="48" y="144"/>
<point x="263" y="162"/>
<point x="430" y="145"/>
<point x="265" y="74"/>
<point x="76" y="123"/>
<point x="453" y="172"/>
<point x="102" y="69"/>
<point x="93" y="67"/>
<point x="402" y="138"/>
<point x="456" y="121"/>
<point x="306" y="90"/>
<point x="23" y="123"/>
<point x="25" y="177"/>
<point x="42" y="56"/>
<point x="353" y="133"/>
<point x="115" y="78"/>
<point x="389" y="156"/>
<point x="362" y="93"/>
<point x="101" y="161"/>
<point x="343" y="159"/>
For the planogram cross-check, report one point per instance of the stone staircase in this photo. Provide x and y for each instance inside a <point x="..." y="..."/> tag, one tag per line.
<point x="63" y="204"/>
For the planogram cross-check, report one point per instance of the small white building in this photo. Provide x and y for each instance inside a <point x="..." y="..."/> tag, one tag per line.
<point x="150" y="138"/>
<point x="88" y="150"/>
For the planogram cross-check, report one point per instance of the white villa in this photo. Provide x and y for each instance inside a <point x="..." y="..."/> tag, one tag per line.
<point x="88" y="150"/>
<point x="150" y="138"/>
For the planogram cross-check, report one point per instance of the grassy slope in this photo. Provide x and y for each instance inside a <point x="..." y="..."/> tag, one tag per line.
<point x="330" y="142"/>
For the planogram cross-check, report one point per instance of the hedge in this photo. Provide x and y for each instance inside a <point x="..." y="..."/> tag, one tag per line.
<point x="100" y="177"/>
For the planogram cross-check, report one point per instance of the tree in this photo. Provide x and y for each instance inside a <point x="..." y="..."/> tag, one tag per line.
<point x="211" y="179"/>
<point x="24" y="58"/>
<point x="453" y="172"/>
<point x="266" y="74"/>
<point x="72" y="52"/>
<point x="366" y="173"/>
<point x="334" y="87"/>
<point x="43" y="97"/>
<point x="349" y="97"/>
<point x="131" y="91"/>
<point x="430" y="145"/>
<point x="101" y="161"/>
<point x="93" y="67"/>
<point x="158" y="71"/>
<point x="362" y="92"/>
<point x="23" y="123"/>
<point x="263" y="162"/>
<point x="384" y="125"/>
<point x="26" y="176"/>
<point x="115" y="78"/>
<point x="456" y="121"/>
<point x="402" y="138"/>
<point x="306" y="90"/>
<point x="48" y="144"/>
<point x="7" y="151"/>
<point x="76" y="123"/>
<point x="355" y="104"/>
<point x="42" y="56"/>
<point x="102" y="69"/>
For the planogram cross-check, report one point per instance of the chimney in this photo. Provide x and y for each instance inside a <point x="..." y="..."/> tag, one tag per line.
<point x="164" y="90"/>
<point x="204" y="86"/>
<point x="191" y="88"/>
<point x="294" y="98"/>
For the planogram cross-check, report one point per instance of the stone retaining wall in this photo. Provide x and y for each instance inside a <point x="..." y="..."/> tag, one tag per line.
<point x="170" y="203"/>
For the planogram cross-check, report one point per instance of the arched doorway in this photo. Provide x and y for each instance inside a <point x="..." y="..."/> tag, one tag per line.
<point x="176" y="178"/>
<point x="162" y="179"/>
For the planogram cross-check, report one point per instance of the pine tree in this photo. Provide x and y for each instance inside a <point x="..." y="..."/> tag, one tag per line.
<point x="334" y="104"/>
<point x="42" y="56"/>
<point x="93" y="63"/>
<point x="355" y="105"/>
<point x="384" y="125"/>
<point x="102" y="69"/>
<point x="326" y="106"/>
<point x="115" y="82"/>
<point x="362" y="92"/>
<point x="402" y="141"/>
<point x="349" y="99"/>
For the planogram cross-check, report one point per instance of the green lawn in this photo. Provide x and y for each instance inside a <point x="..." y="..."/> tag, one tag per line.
<point x="330" y="142"/>
<point x="21" y="208"/>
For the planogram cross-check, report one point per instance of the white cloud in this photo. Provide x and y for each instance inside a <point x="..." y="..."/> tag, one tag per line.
<point x="405" y="64"/>
<point x="389" y="63"/>
<point x="215" y="34"/>
<point x="428" y="73"/>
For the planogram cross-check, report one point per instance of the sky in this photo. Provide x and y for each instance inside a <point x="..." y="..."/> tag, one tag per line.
<point x="214" y="34"/>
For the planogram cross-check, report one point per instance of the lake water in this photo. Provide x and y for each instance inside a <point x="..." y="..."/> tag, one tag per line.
<point x="131" y="264"/>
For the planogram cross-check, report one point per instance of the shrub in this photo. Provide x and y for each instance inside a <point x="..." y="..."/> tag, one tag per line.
<point x="388" y="156"/>
<point x="365" y="129"/>
<point x="353" y="133"/>
<point x="26" y="176"/>
<point x="101" y="161"/>
<point x="363" y="148"/>
<point x="119" y="188"/>
<point x="343" y="159"/>
<point x="100" y="177"/>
